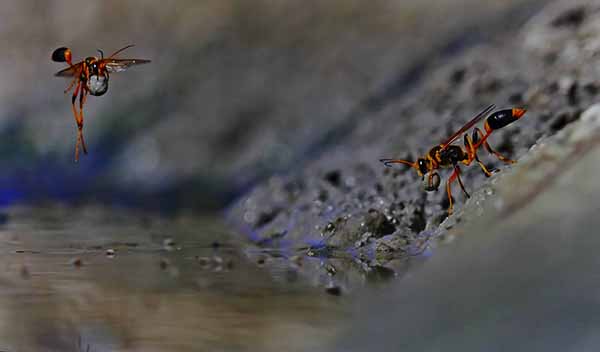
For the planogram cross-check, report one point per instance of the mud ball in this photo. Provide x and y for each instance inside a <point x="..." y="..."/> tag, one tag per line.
<point x="431" y="181"/>
<point x="97" y="85"/>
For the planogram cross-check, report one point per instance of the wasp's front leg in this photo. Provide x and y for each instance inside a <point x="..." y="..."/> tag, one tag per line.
<point x="455" y="175"/>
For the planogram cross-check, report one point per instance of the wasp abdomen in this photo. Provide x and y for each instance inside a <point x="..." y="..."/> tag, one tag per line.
<point x="503" y="118"/>
<point x="62" y="55"/>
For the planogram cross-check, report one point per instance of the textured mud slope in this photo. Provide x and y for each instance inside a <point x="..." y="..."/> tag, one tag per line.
<point x="522" y="277"/>
<point x="347" y="201"/>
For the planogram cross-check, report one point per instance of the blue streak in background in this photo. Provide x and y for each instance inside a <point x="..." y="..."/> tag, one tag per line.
<point x="9" y="196"/>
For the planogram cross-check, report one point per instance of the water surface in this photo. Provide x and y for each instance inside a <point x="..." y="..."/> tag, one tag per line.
<point x="180" y="284"/>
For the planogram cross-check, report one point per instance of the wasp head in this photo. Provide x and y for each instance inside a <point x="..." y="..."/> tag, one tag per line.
<point x="422" y="166"/>
<point x="92" y="65"/>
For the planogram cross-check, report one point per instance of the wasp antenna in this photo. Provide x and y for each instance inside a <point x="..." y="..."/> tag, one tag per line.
<point x="389" y="162"/>
<point x="101" y="53"/>
<point x="121" y="50"/>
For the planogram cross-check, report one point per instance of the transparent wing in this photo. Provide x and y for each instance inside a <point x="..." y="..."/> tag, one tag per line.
<point x="70" y="71"/>
<point x="467" y="126"/>
<point x="120" y="65"/>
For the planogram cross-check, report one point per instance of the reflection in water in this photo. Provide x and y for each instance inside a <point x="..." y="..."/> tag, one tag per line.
<point x="117" y="281"/>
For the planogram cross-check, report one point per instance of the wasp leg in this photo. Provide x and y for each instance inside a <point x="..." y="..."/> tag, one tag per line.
<point x="477" y="132"/>
<point x="79" y="90"/>
<point x="78" y="119"/>
<point x="76" y="79"/>
<point x="449" y="191"/>
<point x="472" y="152"/>
<point x="82" y="98"/>
<point x="462" y="186"/>
<point x="455" y="175"/>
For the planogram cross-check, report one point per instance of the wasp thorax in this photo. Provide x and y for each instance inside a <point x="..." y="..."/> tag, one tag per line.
<point x="97" y="85"/>
<point x="452" y="155"/>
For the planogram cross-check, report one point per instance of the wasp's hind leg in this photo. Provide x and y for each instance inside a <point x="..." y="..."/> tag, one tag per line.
<point x="79" y="90"/>
<point x="82" y="98"/>
<point x="78" y="119"/>
<point x="470" y="146"/>
<point x="478" y="133"/>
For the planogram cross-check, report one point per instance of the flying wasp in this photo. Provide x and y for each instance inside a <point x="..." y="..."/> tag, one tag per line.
<point x="449" y="156"/>
<point x="90" y="76"/>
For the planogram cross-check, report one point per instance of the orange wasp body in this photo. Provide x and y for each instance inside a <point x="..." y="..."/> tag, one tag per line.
<point x="90" y="76"/>
<point x="449" y="156"/>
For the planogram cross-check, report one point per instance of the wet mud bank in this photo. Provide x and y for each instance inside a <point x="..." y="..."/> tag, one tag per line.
<point x="345" y="205"/>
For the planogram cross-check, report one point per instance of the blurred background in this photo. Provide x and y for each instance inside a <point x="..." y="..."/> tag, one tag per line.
<point x="272" y="115"/>
<point x="237" y="90"/>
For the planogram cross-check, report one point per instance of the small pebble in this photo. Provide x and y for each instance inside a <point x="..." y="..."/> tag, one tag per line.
<point x="203" y="261"/>
<point x="296" y="259"/>
<point x="261" y="260"/>
<point x="458" y="75"/>
<point x="77" y="262"/>
<point x="334" y="290"/>
<point x="164" y="264"/>
<point x="331" y="270"/>
<point x="168" y="244"/>
<point x="591" y="88"/>
<point x="25" y="274"/>
<point x="334" y="177"/>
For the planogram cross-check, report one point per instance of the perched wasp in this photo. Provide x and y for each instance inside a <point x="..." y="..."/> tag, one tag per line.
<point x="89" y="76"/>
<point x="446" y="155"/>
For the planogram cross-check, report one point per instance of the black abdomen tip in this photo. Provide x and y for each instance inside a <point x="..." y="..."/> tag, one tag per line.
<point x="504" y="117"/>
<point x="59" y="54"/>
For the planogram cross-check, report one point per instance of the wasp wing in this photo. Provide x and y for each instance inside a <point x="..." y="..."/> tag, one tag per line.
<point x="70" y="71"/>
<point x="120" y="65"/>
<point x="467" y="126"/>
